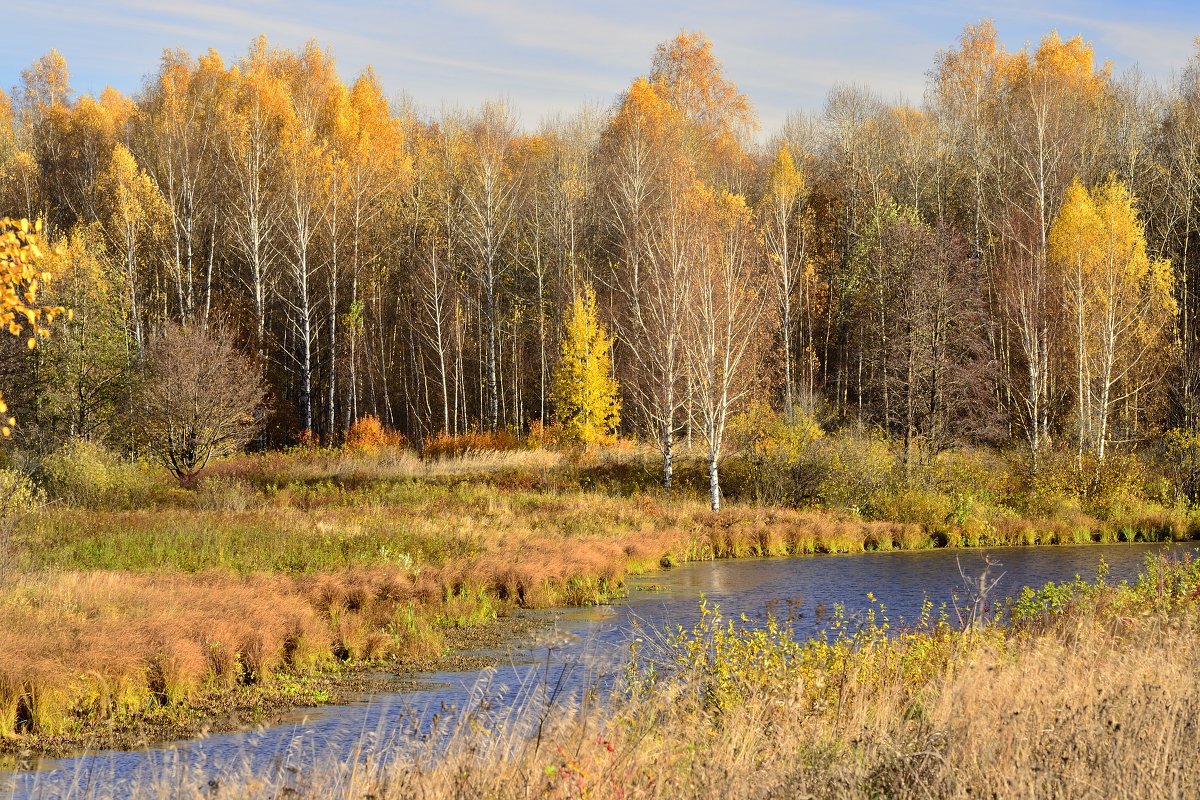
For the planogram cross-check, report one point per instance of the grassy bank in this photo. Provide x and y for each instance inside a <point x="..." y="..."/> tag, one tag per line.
<point x="116" y="659"/>
<point x="128" y="598"/>
<point x="319" y="510"/>
<point x="1088" y="692"/>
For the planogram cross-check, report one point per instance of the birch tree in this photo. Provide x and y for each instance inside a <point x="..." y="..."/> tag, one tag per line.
<point x="134" y="215"/>
<point x="1122" y="307"/>
<point x="306" y="166"/>
<point x="249" y="129"/>
<point x="177" y="147"/>
<point x="786" y="223"/>
<point x="645" y="183"/>
<point x="726" y="306"/>
<point x="490" y="195"/>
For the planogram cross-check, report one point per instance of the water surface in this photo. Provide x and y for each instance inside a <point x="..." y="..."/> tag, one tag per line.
<point x="581" y="649"/>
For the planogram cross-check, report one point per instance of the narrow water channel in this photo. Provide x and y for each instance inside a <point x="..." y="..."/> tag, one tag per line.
<point x="580" y="649"/>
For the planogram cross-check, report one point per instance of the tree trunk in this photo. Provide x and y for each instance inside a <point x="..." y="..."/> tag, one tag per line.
<point x="788" y="390"/>
<point x="714" y="483"/>
<point x="306" y="361"/>
<point x="493" y="378"/>
<point x="331" y="389"/>
<point x="668" y="436"/>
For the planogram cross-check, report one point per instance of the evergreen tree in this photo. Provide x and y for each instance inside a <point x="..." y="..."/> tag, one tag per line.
<point x="584" y="395"/>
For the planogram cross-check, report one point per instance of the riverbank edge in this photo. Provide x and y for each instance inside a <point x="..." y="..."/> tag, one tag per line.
<point x="261" y="705"/>
<point x="244" y="706"/>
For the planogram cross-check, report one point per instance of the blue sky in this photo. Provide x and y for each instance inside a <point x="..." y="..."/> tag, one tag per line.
<point x="546" y="56"/>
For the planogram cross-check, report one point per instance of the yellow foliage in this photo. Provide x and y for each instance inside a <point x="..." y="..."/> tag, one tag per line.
<point x="585" y="392"/>
<point x="644" y="111"/>
<point x="133" y="204"/>
<point x="1072" y="60"/>
<point x="786" y="181"/>
<point x="963" y="74"/>
<point x="1121" y="305"/>
<point x="760" y="430"/>
<point x="21" y="277"/>
<point x="1069" y="64"/>
<point x="687" y="74"/>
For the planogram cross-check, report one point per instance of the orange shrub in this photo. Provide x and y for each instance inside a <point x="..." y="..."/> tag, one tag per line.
<point x="369" y="435"/>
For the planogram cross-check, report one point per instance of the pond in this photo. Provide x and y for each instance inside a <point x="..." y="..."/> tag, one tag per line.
<point x="583" y="649"/>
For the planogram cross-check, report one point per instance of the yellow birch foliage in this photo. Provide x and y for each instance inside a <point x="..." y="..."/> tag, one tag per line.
<point x="1121" y="302"/>
<point x="1099" y="241"/>
<point x="969" y="76"/>
<point x="21" y="278"/>
<point x="132" y="204"/>
<point x="584" y="395"/>
<point x="1070" y="64"/>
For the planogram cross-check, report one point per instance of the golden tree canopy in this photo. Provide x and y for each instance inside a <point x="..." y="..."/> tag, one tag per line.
<point x="1120" y="300"/>
<point x="1098" y="241"/>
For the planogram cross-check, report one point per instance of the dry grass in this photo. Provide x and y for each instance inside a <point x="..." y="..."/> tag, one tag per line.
<point x="283" y="560"/>
<point x="355" y="465"/>
<point x="327" y="526"/>
<point x="1099" y="701"/>
<point x="84" y="647"/>
<point x="1102" y="711"/>
<point x="335" y="581"/>
<point x="470" y="443"/>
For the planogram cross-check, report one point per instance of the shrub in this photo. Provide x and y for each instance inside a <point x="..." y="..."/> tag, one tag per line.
<point x="84" y="473"/>
<point x="1183" y="456"/>
<point x="775" y="462"/>
<point x="18" y="497"/>
<point x="972" y="473"/>
<point x="1058" y="477"/>
<point x="542" y="436"/>
<point x="859" y="467"/>
<point x="201" y="398"/>
<point x="1118" y="481"/>
<point x="931" y="510"/>
<point x="18" y="494"/>
<point x="1161" y="490"/>
<point x="369" y="435"/>
<point x="1064" y="474"/>
<point x="762" y="431"/>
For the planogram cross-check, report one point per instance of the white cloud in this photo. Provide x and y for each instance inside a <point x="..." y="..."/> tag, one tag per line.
<point x="551" y="56"/>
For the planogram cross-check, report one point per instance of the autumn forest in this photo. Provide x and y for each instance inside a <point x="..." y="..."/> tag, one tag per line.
<point x="309" y="388"/>
<point x="1009" y="262"/>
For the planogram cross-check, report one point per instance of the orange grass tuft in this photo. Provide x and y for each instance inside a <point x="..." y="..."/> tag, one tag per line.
<point x="93" y="645"/>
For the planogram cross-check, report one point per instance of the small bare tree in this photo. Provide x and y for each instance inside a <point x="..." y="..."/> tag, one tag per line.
<point x="201" y="398"/>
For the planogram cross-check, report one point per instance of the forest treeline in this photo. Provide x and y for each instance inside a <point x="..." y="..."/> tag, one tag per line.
<point x="1009" y="263"/>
